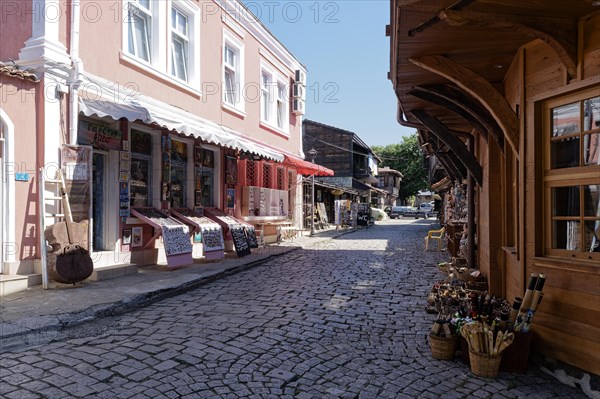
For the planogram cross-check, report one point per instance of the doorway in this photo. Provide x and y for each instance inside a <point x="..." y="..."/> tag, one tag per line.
<point x="98" y="202"/>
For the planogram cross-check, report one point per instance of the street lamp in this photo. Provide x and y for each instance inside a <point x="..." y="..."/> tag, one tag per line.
<point x="312" y="153"/>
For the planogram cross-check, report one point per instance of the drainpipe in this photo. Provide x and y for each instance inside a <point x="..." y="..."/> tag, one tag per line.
<point x="77" y="69"/>
<point x="471" y="209"/>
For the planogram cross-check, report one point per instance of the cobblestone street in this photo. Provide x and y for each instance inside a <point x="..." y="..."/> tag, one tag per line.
<point x="342" y="319"/>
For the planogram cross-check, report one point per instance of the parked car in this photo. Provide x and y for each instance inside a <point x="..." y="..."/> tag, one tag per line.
<point x="426" y="207"/>
<point x="404" y="211"/>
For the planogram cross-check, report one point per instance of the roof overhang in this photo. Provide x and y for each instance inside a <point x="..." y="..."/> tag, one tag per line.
<point x="307" y="168"/>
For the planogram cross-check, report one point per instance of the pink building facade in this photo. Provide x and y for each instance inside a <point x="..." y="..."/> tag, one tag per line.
<point x="188" y="102"/>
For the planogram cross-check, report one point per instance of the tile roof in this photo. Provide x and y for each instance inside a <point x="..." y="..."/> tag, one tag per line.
<point x="16" y="72"/>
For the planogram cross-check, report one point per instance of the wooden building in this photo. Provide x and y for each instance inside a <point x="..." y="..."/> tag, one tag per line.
<point x="344" y="152"/>
<point x="506" y="94"/>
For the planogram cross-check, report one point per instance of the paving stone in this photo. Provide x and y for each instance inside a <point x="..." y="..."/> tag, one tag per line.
<point x="342" y="319"/>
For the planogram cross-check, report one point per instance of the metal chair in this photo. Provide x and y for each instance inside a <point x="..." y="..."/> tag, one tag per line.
<point x="435" y="235"/>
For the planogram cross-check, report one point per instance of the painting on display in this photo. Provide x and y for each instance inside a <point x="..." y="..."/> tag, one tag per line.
<point x="231" y="170"/>
<point x="208" y="158"/>
<point x="230" y="198"/>
<point x="136" y="238"/>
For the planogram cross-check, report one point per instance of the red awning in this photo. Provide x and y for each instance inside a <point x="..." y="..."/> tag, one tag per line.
<point x="307" y="168"/>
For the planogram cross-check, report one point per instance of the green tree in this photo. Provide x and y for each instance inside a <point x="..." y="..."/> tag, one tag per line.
<point x="407" y="158"/>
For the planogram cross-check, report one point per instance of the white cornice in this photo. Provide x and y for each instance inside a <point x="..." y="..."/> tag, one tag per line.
<point x="240" y="14"/>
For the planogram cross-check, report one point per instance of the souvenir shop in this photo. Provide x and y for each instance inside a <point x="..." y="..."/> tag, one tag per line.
<point x="160" y="197"/>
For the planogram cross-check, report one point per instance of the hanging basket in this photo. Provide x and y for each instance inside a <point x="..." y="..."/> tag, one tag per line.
<point x="484" y="365"/>
<point x="443" y="348"/>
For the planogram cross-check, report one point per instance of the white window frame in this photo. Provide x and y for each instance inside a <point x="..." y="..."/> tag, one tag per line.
<point x="269" y="109"/>
<point x="192" y="13"/>
<point x="266" y="97"/>
<point x="152" y="19"/>
<point x="282" y="108"/>
<point x="179" y="35"/>
<point x="160" y="65"/>
<point x="238" y="103"/>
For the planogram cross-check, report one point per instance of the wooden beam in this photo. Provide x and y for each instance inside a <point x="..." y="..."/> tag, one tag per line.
<point x="459" y="5"/>
<point x="562" y="40"/>
<point x="455" y="145"/>
<point x="452" y="106"/>
<point x="479" y="88"/>
<point x="455" y="95"/>
<point x="454" y="168"/>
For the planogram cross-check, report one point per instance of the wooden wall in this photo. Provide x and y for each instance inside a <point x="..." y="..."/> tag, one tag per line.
<point x="336" y="159"/>
<point x="567" y="324"/>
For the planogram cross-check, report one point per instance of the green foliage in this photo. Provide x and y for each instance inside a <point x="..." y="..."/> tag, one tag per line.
<point x="407" y="158"/>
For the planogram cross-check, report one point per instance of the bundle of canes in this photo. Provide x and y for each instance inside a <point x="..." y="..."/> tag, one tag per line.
<point x="531" y="300"/>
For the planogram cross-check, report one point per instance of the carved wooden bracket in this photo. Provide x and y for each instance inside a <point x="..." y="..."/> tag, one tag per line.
<point x="479" y="88"/>
<point x="456" y="100"/>
<point x="456" y="146"/>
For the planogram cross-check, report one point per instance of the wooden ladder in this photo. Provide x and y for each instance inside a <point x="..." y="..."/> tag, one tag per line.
<point x="60" y="195"/>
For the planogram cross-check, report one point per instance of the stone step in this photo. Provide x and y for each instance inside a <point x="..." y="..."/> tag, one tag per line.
<point x="108" y="272"/>
<point x="12" y="283"/>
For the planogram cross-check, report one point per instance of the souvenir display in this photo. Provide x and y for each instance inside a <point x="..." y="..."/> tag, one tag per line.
<point x="210" y="233"/>
<point x="497" y="337"/>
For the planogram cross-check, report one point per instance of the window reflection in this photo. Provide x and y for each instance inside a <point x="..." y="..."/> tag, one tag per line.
<point x="591" y="114"/>
<point x="591" y="149"/>
<point x="565" y="119"/>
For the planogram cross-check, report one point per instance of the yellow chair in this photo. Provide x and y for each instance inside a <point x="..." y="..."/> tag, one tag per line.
<point x="435" y="235"/>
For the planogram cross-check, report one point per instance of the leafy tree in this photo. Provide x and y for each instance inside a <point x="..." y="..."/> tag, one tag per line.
<point x="407" y="158"/>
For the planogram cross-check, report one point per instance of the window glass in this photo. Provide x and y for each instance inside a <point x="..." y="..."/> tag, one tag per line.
<point x="573" y="177"/>
<point x="565" y="120"/>
<point x="138" y="31"/>
<point x="178" y="173"/>
<point x="567" y="235"/>
<point x="591" y="114"/>
<point x="280" y="105"/>
<point x="591" y="200"/>
<point x="140" y="181"/>
<point x="204" y="187"/>
<point x="265" y="101"/>
<point x="592" y="236"/>
<point x="178" y="185"/>
<point x="591" y="149"/>
<point x="179" y="44"/>
<point x="565" y="153"/>
<point x="566" y="201"/>
<point x="229" y="86"/>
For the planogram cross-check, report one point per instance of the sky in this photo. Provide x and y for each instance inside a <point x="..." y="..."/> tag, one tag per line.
<point x="343" y="45"/>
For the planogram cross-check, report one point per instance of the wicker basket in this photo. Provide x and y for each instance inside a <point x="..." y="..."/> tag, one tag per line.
<point x="484" y="365"/>
<point x="443" y="348"/>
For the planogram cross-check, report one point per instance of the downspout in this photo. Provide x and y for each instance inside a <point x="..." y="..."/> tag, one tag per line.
<point x="74" y="101"/>
<point x="77" y="70"/>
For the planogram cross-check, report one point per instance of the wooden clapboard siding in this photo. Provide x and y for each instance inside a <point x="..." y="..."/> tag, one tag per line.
<point x="567" y="347"/>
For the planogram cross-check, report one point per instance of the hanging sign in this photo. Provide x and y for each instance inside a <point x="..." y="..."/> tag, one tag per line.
<point x="98" y="136"/>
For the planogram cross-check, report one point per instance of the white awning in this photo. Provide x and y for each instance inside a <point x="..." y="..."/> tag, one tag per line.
<point x="178" y="120"/>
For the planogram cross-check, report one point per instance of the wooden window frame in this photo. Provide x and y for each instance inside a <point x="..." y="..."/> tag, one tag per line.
<point x="566" y="177"/>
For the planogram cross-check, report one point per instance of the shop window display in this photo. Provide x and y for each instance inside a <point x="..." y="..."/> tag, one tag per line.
<point x="178" y="174"/>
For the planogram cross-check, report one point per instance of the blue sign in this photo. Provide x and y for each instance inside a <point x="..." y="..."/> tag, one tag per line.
<point x="22" y="176"/>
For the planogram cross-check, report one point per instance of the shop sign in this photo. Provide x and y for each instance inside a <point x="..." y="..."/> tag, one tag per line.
<point x="98" y="136"/>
